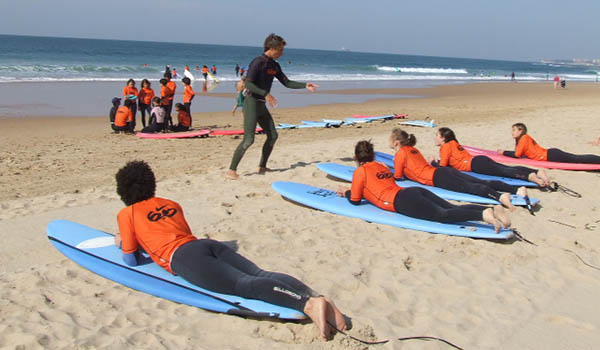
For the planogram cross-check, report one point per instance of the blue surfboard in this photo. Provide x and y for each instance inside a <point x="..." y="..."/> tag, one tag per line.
<point x="388" y="160"/>
<point x="329" y="201"/>
<point x="345" y="172"/>
<point x="421" y="123"/>
<point x="335" y="122"/>
<point x="95" y="251"/>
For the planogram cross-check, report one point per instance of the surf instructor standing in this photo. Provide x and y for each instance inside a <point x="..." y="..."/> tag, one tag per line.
<point x="258" y="82"/>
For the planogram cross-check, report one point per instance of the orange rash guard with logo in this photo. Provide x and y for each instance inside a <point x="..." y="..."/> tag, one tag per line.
<point x="123" y="116"/>
<point x="158" y="226"/>
<point x="410" y="162"/>
<point x="183" y="118"/>
<point x="451" y="153"/>
<point x="172" y="86"/>
<point x="188" y="93"/>
<point x="164" y="95"/>
<point x="374" y="182"/>
<point x="128" y="90"/>
<point x="528" y="147"/>
<point x="146" y="95"/>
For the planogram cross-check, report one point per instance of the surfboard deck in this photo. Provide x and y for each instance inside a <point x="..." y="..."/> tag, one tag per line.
<point x="526" y="161"/>
<point x="421" y="123"/>
<point x="392" y="116"/>
<point x="223" y="132"/>
<point x="345" y="172"/>
<point x="388" y="160"/>
<point x="174" y="135"/>
<point x="93" y="249"/>
<point x="329" y="201"/>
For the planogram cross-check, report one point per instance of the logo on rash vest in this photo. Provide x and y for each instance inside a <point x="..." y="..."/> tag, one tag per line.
<point x="161" y="213"/>
<point x="383" y="175"/>
<point x="288" y="292"/>
<point x="271" y="71"/>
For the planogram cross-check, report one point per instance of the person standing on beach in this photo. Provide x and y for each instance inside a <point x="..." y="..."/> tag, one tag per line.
<point x="263" y="69"/>
<point x="145" y="100"/>
<point x="205" y="72"/>
<point x="172" y="86"/>
<point x="512" y="76"/>
<point x="165" y="95"/>
<point x="214" y="70"/>
<point x="188" y="94"/>
<point x="556" y="81"/>
<point x="237" y="70"/>
<point x="130" y="92"/>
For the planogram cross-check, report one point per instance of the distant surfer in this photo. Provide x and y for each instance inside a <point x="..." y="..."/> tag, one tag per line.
<point x="158" y="226"/>
<point x="167" y="69"/>
<point x="175" y="75"/>
<point x="556" y="81"/>
<point x="525" y="146"/>
<point x="375" y="182"/>
<point x="263" y="69"/>
<point x="205" y="72"/>
<point x="213" y="70"/>
<point x="237" y="70"/>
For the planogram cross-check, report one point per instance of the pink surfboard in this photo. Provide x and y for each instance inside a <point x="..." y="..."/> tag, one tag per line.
<point x="231" y="132"/>
<point x="474" y="151"/>
<point x="395" y="116"/>
<point x="174" y="135"/>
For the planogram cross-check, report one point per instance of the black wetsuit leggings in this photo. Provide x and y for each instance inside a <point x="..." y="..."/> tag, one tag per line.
<point x="144" y="108"/>
<point x="420" y="203"/>
<point x="485" y="165"/>
<point x="214" y="266"/>
<point x="556" y="155"/>
<point x="454" y="180"/>
<point x="133" y="109"/>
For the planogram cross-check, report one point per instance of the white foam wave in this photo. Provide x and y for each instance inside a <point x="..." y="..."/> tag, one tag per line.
<point x="422" y="70"/>
<point x="322" y="77"/>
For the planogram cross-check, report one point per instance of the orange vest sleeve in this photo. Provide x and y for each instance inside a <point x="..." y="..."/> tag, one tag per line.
<point x="129" y="241"/>
<point x="445" y="152"/>
<point x="399" y="164"/>
<point x="358" y="184"/>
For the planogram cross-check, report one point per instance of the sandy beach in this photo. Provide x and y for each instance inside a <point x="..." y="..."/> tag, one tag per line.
<point x="390" y="282"/>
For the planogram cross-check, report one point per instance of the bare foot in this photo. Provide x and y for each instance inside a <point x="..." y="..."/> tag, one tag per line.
<point x="232" y="175"/>
<point x="263" y="170"/>
<point x="335" y="316"/>
<point x="488" y="216"/>
<point x="505" y="200"/>
<point x="316" y="310"/>
<point x="502" y="216"/>
<point x="522" y="191"/>
<point x="544" y="176"/>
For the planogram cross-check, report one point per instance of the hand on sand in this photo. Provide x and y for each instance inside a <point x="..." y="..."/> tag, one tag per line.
<point x="312" y="87"/>
<point x="341" y="191"/>
<point x="500" y="151"/>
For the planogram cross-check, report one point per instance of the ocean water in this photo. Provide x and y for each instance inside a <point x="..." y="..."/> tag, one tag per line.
<point x="48" y="59"/>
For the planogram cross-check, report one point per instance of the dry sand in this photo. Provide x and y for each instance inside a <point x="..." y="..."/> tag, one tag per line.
<point x="391" y="282"/>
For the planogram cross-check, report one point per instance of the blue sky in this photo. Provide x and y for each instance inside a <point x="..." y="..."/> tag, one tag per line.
<point x="514" y="30"/>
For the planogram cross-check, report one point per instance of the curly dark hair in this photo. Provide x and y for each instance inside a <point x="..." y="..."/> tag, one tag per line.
<point x="135" y="182"/>
<point x="364" y="151"/>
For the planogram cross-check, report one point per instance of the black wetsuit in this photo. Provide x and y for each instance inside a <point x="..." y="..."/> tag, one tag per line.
<point x="560" y="156"/>
<point x="214" y="266"/>
<point x="259" y="80"/>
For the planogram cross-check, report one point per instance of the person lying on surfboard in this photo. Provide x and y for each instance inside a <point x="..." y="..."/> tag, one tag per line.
<point x="409" y="162"/>
<point x="452" y="154"/>
<point x="158" y="226"/>
<point x="375" y="182"/>
<point x="526" y="146"/>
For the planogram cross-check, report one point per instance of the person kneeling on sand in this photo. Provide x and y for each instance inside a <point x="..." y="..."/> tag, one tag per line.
<point x="157" y="120"/>
<point x="166" y="236"/>
<point x="184" y="121"/>
<point x="124" y="118"/>
<point x="375" y="182"/>
<point x="113" y="112"/>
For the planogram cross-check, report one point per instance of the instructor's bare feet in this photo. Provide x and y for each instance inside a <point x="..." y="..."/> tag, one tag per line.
<point x="502" y="216"/>
<point x="544" y="176"/>
<point x="316" y="310"/>
<point x="505" y="200"/>
<point x="488" y="216"/>
<point x="263" y="170"/>
<point x="232" y="175"/>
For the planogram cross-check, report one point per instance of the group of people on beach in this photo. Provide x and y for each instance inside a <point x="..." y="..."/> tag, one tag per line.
<point x="214" y="266"/>
<point x="158" y="108"/>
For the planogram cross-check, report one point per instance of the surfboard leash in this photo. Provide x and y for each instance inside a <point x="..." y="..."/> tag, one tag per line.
<point x="521" y="238"/>
<point x="426" y="338"/>
<point x="554" y="186"/>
